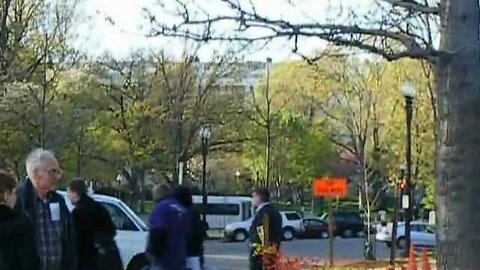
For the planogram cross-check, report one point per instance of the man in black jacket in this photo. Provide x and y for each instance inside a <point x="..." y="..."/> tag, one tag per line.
<point x="53" y="234"/>
<point x="94" y="229"/>
<point x="265" y="233"/>
<point x="198" y="229"/>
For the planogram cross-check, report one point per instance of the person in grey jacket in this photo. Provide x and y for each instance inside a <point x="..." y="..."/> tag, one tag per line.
<point x="54" y="233"/>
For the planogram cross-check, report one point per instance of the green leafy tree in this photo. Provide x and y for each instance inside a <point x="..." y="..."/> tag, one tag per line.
<point x="34" y="51"/>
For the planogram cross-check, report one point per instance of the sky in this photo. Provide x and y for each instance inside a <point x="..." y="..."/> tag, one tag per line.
<point x="97" y="36"/>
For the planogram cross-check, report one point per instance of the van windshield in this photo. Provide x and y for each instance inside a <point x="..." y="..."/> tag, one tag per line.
<point x="246" y="210"/>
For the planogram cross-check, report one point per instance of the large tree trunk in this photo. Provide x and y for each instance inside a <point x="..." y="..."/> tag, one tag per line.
<point x="458" y="145"/>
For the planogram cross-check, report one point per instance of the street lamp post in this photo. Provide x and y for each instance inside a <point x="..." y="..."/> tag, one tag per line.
<point x="237" y="178"/>
<point x="408" y="92"/>
<point x="204" y="135"/>
<point x="119" y="182"/>
<point x="396" y="206"/>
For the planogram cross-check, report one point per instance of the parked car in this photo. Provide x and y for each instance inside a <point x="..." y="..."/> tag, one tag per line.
<point x="347" y="224"/>
<point x="422" y="235"/>
<point x="383" y="232"/>
<point x="313" y="228"/>
<point x="132" y="232"/>
<point x="238" y="231"/>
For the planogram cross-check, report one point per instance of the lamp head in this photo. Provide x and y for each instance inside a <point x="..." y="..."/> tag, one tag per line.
<point x="204" y="133"/>
<point x="408" y="90"/>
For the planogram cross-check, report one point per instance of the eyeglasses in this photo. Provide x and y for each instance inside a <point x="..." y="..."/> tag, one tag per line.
<point x="55" y="171"/>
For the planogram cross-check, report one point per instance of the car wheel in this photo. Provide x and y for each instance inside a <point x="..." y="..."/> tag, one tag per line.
<point x="402" y="243"/>
<point x="324" y="235"/>
<point x="347" y="233"/>
<point x="288" y="234"/>
<point x="240" y="236"/>
<point x="360" y="234"/>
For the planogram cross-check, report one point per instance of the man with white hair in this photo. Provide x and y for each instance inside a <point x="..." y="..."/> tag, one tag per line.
<point x="54" y="234"/>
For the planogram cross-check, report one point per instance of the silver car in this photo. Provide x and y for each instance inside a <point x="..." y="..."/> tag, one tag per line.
<point x="422" y="235"/>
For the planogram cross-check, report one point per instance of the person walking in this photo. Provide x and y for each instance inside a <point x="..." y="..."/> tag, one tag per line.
<point x="198" y="232"/>
<point x="167" y="240"/>
<point x="265" y="232"/>
<point x="53" y="228"/>
<point x="17" y="245"/>
<point x="95" y="231"/>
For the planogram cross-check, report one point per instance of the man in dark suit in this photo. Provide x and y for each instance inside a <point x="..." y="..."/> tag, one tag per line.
<point x="265" y="233"/>
<point x="95" y="230"/>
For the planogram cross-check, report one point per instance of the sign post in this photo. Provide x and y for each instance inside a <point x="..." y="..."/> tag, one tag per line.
<point x="330" y="188"/>
<point x="331" y="235"/>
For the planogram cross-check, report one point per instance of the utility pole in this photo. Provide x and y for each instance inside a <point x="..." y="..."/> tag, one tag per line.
<point x="268" y="125"/>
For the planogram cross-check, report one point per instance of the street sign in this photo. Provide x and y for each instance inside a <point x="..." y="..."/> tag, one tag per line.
<point x="405" y="202"/>
<point x="431" y="218"/>
<point x="330" y="187"/>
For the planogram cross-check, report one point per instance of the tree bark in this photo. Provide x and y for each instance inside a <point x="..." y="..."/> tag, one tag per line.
<point x="458" y="144"/>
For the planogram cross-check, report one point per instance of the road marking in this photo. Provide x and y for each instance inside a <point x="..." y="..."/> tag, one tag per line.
<point x="226" y="257"/>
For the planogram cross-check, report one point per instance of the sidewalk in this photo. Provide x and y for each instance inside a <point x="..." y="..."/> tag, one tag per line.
<point x="323" y="264"/>
<point x="377" y="265"/>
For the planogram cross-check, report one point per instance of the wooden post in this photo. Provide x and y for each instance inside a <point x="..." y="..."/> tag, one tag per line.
<point x="330" y="231"/>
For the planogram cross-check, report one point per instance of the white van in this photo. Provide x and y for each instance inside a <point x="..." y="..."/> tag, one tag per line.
<point x="223" y="210"/>
<point x="132" y="232"/>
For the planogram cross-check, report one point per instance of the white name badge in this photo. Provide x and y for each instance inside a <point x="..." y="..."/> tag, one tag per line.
<point x="54" y="211"/>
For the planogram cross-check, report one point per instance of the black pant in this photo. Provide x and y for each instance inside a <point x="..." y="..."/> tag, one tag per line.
<point x="256" y="263"/>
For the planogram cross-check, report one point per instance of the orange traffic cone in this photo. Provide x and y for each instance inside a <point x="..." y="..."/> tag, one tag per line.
<point x="425" y="262"/>
<point x="412" y="261"/>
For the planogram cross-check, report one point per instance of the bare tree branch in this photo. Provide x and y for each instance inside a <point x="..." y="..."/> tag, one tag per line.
<point x="248" y="20"/>
<point x="414" y="6"/>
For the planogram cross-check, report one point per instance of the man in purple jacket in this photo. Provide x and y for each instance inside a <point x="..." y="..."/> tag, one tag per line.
<point x="169" y="229"/>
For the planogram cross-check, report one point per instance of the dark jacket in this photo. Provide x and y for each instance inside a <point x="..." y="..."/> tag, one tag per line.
<point x="17" y="246"/>
<point x="26" y="204"/>
<point x="197" y="235"/>
<point x="95" y="229"/>
<point x="271" y="221"/>
<point x="168" y="235"/>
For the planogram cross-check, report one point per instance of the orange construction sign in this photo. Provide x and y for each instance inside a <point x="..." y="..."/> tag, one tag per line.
<point x="330" y="187"/>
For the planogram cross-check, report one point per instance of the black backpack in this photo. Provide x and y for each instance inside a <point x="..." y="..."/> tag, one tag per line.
<point x="108" y="255"/>
<point x="138" y="262"/>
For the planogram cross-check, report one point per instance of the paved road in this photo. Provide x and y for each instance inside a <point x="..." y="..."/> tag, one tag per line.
<point x="233" y="256"/>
